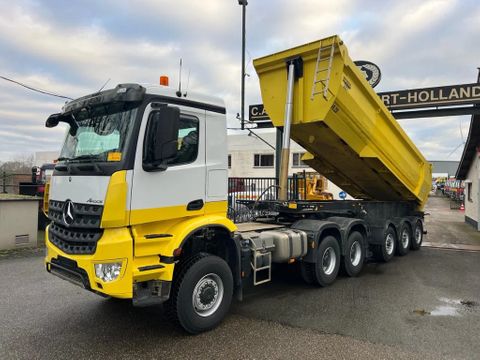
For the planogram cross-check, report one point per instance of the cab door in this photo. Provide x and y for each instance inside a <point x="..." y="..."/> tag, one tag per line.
<point x="179" y="190"/>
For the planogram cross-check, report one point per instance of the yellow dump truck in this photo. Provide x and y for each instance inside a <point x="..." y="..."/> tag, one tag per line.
<point x="138" y="198"/>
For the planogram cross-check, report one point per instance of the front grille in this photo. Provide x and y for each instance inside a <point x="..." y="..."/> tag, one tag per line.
<point x="74" y="241"/>
<point x="82" y="234"/>
<point x="84" y="215"/>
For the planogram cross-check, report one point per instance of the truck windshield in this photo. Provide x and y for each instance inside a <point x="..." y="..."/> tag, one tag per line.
<point x="102" y="135"/>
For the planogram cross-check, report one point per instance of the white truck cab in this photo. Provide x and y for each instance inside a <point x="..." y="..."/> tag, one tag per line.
<point x="141" y="171"/>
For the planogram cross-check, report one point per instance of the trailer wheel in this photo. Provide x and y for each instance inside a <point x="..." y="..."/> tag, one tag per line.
<point x="417" y="237"/>
<point x="328" y="261"/>
<point x="201" y="293"/>
<point x="354" y="256"/>
<point x="385" y="251"/>
<point x="404" y="240"/>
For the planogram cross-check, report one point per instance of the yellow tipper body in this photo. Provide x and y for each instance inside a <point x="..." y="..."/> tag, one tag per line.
<point x="350" y="135"/>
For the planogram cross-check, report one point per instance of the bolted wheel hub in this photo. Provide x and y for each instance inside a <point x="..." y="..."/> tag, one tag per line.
<point x="208" y="292"/>
<point x="418" y="234"/>
<point x="355" y="253"/>
<point x="207" y="295"/>
<point x="405" y="239"/>
<point x="329" y="261"/>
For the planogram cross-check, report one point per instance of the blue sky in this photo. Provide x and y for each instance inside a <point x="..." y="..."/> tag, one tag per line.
<point x="73" y="47"/>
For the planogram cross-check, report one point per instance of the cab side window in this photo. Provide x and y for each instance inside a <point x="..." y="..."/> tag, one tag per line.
<point x="188" y="135"/>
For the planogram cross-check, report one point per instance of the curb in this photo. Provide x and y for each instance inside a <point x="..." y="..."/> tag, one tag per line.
<point x="458" y="247"/>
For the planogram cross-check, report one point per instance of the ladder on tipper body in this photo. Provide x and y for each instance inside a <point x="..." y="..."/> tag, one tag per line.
<point x="323" y="66"/>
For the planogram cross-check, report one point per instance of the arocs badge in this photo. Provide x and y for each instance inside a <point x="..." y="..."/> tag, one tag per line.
<point x="371" y="71"/>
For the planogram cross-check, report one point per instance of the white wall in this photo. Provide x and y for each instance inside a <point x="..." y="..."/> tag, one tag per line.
<point x="471" y="206"/>
<point x="18" y="219"/>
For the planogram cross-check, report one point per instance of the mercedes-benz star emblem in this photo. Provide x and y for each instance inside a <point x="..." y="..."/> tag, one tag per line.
<point x="68" y="213"/>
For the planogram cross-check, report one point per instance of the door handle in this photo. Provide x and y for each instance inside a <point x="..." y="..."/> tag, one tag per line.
<point x="195" y="205"/>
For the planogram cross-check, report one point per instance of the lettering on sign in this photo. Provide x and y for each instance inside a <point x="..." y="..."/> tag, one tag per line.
<point x="435" y="96"/>
<point x="258" y="115"/>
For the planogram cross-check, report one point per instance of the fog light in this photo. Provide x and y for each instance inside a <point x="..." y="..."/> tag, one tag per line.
<point x="108" y="272"/>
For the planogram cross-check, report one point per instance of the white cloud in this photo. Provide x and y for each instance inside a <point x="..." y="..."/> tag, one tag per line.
<point x="415" y="43"/>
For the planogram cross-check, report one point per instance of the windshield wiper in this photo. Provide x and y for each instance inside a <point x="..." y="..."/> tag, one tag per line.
<point x="85" y="157"/>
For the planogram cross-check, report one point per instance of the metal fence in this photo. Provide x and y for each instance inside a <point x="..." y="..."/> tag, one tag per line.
<point x="256" y="189"/>
<point x="18" y="183"/>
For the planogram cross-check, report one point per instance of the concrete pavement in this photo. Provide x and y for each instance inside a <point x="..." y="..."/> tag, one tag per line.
<point x="421" y="306"/>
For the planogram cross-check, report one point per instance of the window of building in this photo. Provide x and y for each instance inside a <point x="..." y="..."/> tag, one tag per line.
<point x="469" y="191"/>
<point x="263" y="160"/>
<point x="297" y="160"/>
<point x="229" y="161"/>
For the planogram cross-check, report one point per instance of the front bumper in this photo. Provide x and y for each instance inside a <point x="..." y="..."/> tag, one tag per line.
<point x="114" y="246"/>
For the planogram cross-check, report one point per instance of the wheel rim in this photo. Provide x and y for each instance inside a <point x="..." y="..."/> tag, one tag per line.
<point x="405" y="238"/>
<point x="418" y="235"/>
<point x="207" y="295"/>
<point x="355" y="253"/>
<point x="389" y="241"/>
<point x="329" y="260"/>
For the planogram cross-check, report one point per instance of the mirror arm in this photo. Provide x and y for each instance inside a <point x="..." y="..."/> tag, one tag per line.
<point x="150" y="167"/>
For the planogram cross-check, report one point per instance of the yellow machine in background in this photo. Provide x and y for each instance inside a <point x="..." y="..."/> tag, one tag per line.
<point x="316" y="186"/>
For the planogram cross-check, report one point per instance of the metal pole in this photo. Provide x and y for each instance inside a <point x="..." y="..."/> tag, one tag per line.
<point x="283" y="196"/>
<point x="4" y="182"/>
<point x="242" y="110"/>
<point x="278" y="152"/>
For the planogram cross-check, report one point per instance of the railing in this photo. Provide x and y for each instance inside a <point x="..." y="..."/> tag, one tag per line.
<point x="18" y="183"/>
<point x="256" y="189"/>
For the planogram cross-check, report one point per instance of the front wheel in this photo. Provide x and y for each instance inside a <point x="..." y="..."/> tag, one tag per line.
<point x="328" y="261"/>
<point x="201" y="293"/>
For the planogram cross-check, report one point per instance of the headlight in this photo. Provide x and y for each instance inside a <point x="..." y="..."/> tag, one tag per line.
<point x="108" y="272"/>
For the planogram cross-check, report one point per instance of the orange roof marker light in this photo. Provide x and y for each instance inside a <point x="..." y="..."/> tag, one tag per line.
<point x="164" y="80"/>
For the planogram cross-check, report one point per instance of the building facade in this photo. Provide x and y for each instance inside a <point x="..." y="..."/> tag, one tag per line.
<point x="469" y="171"/>
<point x="249" y="156"/>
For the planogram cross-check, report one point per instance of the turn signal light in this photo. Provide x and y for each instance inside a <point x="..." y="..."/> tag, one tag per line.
<point x="164" y="80"/>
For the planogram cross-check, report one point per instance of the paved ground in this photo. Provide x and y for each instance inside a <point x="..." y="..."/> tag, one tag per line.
<point x="448" y="227"/>
<point x="425" y="305"/>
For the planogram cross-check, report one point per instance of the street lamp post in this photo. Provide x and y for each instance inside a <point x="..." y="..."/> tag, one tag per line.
<point x="244" y="4"/>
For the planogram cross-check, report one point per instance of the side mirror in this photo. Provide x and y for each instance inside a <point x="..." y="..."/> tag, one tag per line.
<point x="35" y="172"/>
<point x="54" y="119"/>
<point x="161" y="139"/>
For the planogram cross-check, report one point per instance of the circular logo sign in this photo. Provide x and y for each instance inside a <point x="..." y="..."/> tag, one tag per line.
<point x="370" y="70"/>
<point x="342" y="195"/>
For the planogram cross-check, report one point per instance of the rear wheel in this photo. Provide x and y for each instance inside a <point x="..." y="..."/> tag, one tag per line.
<point x="385" y="251"/>
<point x="417" y="238"/>
<point x="404" y="240"/>
<point x="354" y="254"/>
<point x="201" y="293"/>
<point x="328" y="261"/>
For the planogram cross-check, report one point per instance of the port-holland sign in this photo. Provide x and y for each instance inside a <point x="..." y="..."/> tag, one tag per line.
<point x="463" y="94"/>
<point x="434" y="96"/>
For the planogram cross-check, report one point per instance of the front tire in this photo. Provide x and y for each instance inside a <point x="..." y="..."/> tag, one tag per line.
<point x="201" y="294"/>
<point x="354" y="254"/>
<point x="328" y="261"/>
